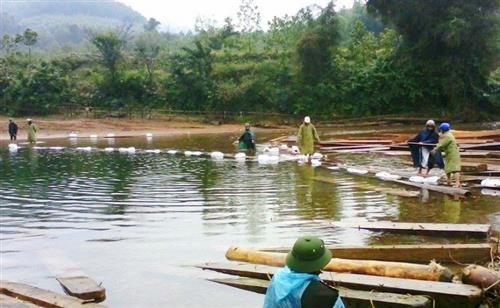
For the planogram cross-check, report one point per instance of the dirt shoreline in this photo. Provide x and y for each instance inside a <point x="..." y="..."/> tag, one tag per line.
<point x="55" y="127"/>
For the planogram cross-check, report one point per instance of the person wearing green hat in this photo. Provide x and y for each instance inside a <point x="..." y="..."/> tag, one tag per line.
<point x="298" y="285"/>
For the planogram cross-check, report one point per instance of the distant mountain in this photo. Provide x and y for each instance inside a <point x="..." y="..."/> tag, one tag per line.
<point x="65" y="22"/>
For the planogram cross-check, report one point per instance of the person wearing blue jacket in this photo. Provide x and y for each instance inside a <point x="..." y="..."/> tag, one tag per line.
<point x="421" y="146"/>
<point x="298" y="284"/>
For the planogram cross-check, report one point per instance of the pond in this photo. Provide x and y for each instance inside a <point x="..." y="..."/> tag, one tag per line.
<point x="139" y="223"/>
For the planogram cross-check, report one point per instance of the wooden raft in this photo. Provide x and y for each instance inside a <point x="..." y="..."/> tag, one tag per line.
<point x="352" y="298"/>
<point x="450" y="253"/>
<point x="445" y="294"/>
<point x="472" y="230"/>
<point x="24" y="296"/>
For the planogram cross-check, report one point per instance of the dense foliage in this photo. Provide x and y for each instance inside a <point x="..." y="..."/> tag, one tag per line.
<point x="405" y="57"/>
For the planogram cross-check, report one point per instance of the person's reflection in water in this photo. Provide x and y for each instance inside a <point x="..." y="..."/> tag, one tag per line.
<point x="451" y="209"/>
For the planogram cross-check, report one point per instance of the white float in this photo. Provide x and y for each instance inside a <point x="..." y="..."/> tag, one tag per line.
<point x="217" y="155"/>
<point x="317" y="156"/>
<point x="265" y="159"/>
<point x="84" y="149"/>
<point x="13" y="147"/>
<point x="172" y="152"/>
<point x="295" y="150"/>
<point x="109" y="150"/>
<point x="56" y="148"/>
<point x="432" y="180"/>
<point x="417" y="179"/>
<point x="357" y="171"/>
<point x="490" y="192"/>
<point x="284" y="147"/>
<point x="110" y="135"/>
<point x="93" y="136"/>
<point x="491" y="183"/>
<point x="315" y="163"/>
<point x="129" y="150"/>
<point x="153" y="151"/>
<point x="188" y="153"/>
<point x="386" y="176"/>
<point x="73" y="135"/>
<point x="149" y="135"/>
<point x="240" y="156"/>
<point x="196" y="153"/>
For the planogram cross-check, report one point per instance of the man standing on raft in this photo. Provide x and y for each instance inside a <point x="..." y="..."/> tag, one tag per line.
<point x="448" y="146"/>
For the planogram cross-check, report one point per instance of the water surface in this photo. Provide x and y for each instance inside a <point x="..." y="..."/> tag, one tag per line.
<point x="139" y="223"/>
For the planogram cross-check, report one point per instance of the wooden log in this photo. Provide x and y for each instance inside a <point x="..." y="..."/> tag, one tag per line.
<point x="433" y="272"/>
<point x="482" y="277"/>
<point x="472" y="230"/>
<point x="11" y="302"/>
<point x="449" y="253"/>
<point x="398" y="192"/>
<point x="83" y="287"/>
<point x="40" y="297"/>
<point x="350" y="147"/>
<point x="358" y="151"/>
<point x="494" y="146"/>
<point x="355" y="141"/>
<point x="454" y="191"/>
<point x="351" y="298"/>
<point x="445" y="294"/>
<point x="477" y="134"/>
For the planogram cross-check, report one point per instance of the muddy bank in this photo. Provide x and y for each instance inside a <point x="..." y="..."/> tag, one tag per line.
<point x="55" y="127"/>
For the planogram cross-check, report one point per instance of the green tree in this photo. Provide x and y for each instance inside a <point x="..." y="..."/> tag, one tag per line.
<point x="30" y="38"/>
<point x="152" y="25"/>
<point x="450" y="42"/>
<point x="110" y="46"/>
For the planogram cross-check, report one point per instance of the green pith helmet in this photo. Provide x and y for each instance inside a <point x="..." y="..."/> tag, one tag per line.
<point x="309" y="255"/>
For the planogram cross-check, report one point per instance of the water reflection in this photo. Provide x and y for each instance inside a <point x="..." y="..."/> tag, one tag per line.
<point x="152" y="214"/>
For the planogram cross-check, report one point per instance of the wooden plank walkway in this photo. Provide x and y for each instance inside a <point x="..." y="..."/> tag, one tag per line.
<point x="352" y="298"/>
<point x="444" y="293"/>
<point x="473" y="230"/>
<point x="39" y="297"/>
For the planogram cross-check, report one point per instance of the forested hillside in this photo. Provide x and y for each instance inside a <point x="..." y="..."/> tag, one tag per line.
<point x="64" y="22"/>
<point x="383" y="57"/>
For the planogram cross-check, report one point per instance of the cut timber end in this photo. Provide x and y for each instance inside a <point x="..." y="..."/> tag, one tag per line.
<point x="83" y="287"/>
<point x="475" y="230"/>
<point x="352" y="298"/>
<point x="39" y="297"/>
<point x="444" y="293"/>
<point x="451" y="253"/>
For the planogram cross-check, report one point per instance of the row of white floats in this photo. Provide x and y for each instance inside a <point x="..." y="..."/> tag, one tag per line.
<point x="110" y="135"/>
<point x="271" y="156"/>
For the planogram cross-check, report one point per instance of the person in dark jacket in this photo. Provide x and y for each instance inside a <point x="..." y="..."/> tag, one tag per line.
<point x="247" y="140"/>
<point x="421" y="146"/>
<point x="298" y="285"/>
<point x="12" y="129"/>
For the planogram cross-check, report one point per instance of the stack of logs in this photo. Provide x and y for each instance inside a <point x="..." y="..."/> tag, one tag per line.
<point x="387" y="276"/>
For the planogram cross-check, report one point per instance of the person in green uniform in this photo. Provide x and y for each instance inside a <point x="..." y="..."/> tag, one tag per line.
<point x="306" y="137"/>
<point x="298" y="285"/>
<point x="448" y="146"/>
<point x="32" y="132"/>
<point x="247" y="140"/>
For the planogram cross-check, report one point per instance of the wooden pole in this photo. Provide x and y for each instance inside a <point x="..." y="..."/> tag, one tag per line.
<point x="433" y="272"/>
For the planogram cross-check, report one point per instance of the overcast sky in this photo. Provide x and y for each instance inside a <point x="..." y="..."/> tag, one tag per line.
<point x="177" y="15"/>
